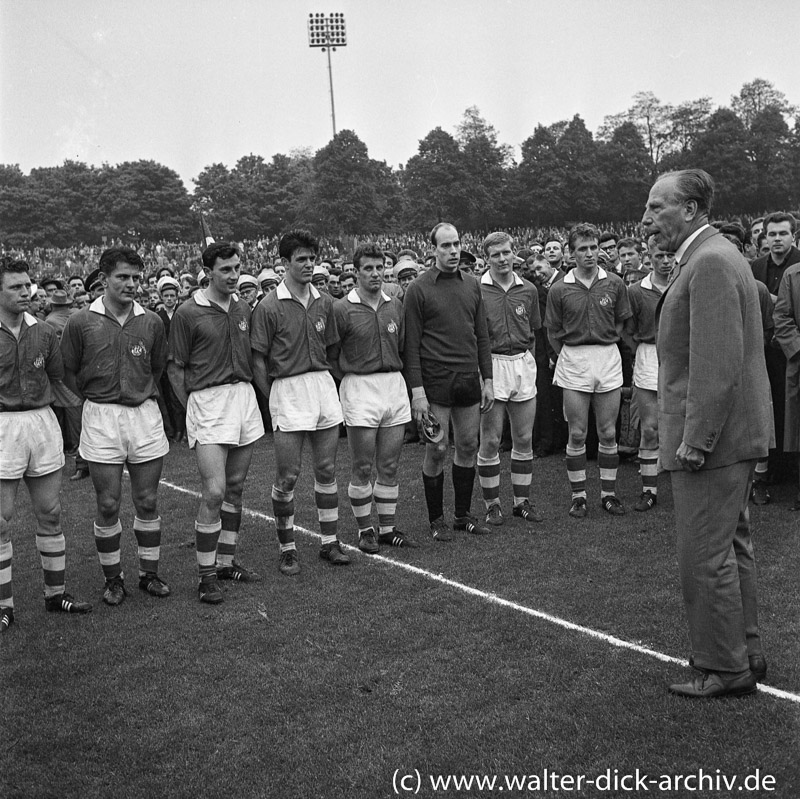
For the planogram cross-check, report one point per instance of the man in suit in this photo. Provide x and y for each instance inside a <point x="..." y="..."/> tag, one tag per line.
<point x="714" y="421"/>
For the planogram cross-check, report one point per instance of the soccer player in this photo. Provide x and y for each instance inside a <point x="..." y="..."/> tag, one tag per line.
<point x="448" y="366"/>
<point x="114" y="353"/>
<point x="374" y="398"/>
<point x="512" y="311"/>
<point x="585" y="314"/>
<point x="640" y="334"/>
<point x="30" y="440"/>
<point x="293" y="329"/>
<point x="210" y="368"/>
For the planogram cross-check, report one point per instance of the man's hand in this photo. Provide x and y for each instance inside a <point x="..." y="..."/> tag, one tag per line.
<point x="689" y="458"/>
<point x="420" y="409"/>
<point x="487" y="396"/>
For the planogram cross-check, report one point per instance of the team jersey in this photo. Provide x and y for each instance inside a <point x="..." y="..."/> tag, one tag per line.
<point x="112" y="362"/>
<point x="512" y="316"/>
<point x="211" y="344"/>
<point x="580" y="315"/>
<point x="294" y="338"/>
<point x="371" y="340"/>
<point x="28" y="364"/>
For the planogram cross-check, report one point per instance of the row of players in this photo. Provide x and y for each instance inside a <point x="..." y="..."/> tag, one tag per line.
<point x="465" y="347"/>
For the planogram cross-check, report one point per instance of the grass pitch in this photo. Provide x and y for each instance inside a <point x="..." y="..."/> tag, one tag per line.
<point x="341" y="681"/>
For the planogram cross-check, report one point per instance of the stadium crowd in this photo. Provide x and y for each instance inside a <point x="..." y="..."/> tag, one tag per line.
<point x="540" y="341"/>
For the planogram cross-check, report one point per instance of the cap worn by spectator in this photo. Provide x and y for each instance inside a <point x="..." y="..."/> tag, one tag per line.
<point x="92" y="279"/>
<point x="52" y="281"/>
<point x="319" y="269"/>
<point x="246" y="280"/>
<point x="60" y="297"/>
<point x="467" y="258"/>
<point x="268" y="276"/>
<point x="405" y="268"/>
<point x="167" y="282"/>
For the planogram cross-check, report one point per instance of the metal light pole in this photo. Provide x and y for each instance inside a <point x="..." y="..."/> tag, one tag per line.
<point x="327" y="32"/>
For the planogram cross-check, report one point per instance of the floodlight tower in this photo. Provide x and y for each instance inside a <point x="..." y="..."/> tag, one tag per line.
<point x="327" y="32"/>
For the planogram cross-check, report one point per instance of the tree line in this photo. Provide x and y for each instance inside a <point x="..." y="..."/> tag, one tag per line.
<point x="562" y="173"/>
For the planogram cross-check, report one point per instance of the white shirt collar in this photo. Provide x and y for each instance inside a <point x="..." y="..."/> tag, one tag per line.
<point x="99" y="307"/>
<point x="284" y="294"/>
<point x="201" y="299"/>
<point x="29" y="319"/>
<point x="570" y="276"/>
<point x="685" y="246"/>
<point x="354" y="297"/>
<point x="488" y="280"/>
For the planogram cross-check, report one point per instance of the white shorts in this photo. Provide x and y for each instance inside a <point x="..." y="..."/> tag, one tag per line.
<point x="305" y="402"/>
<point x="226" y="414"/>
<point x="30" y="444"/>
<point x="591" y="368"/>
<point x="376" y="400"/>
<point x="112" y="433"/>
<point x="514" y="377"/>
<point x="645" y="368"/>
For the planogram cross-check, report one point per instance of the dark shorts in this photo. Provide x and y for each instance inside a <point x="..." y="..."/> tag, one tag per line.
<point x="448" y="388"/>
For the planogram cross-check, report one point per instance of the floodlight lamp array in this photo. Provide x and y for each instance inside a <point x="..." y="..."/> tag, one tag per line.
<point x="327" y="30"/>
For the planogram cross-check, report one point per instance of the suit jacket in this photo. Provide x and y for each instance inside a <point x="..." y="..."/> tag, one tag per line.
<point x="713" y="391"/>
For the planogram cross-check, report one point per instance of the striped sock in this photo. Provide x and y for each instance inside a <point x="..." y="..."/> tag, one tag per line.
<point x="521" y="475"/>
<point x="326" y="498"/>
<point x="648" y="468"/>
<point x="361" y="504"/>
<point x="107" y="539"/>
<point x="576" y="471"/>
<point x="6" y="586"/>
<point x="608" y="461"/>
<point x="52" y="553"/>
<point x="231" y="519"/>
<point x="148" y="539"/>
<point x="489" y="478"/>
<point x="206" y="537"/>
<point x="386" y="505"/>
<point x="283" y="510"/>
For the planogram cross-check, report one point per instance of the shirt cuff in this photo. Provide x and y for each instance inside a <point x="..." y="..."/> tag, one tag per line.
<point x="418" y="393"/>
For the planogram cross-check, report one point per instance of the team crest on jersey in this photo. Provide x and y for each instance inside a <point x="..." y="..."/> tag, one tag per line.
<point x="243" y="324"/>
<point x="392" y="327"/>
<point x="605" y="300"/>
<point x="38" y="362"/>
<point x="520" y="310"/>
<point x="138" y="350"/>
<point x="320" y="325"/>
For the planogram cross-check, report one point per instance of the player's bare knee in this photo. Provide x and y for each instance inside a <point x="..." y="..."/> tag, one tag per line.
<point x="361" y="473"/>
<point x="108" y="506"/>
<point x="437" y="452"/>
<point x="5" y="529"/>
<point x="387" y="471"/>
<point x="48" y="516"/>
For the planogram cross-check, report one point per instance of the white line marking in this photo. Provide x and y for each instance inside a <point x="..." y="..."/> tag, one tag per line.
<point x="497" y="600"/>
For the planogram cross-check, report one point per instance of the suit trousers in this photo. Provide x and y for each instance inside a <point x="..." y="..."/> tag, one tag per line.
<point x="716" y="564"/>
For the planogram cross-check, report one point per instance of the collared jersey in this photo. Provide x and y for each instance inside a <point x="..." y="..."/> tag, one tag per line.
<point x="512" y="316"/>
<point x="643" y="297"/>
<point x="211" y="344"/>
<point x="580" y="315"/>
<point x="294" y="338"/>
<point x="446" y="324"/>
<point x="112" y="362"/>
<point x="28" y="364"/>
<point x="371" y="340"/>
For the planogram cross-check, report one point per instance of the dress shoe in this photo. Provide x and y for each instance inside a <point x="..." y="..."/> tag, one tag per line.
<point x="758" y="667"/>
<point x="713" y="684"/>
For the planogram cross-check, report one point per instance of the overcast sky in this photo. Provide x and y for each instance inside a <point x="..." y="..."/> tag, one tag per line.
<point x="193" y="83"/>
